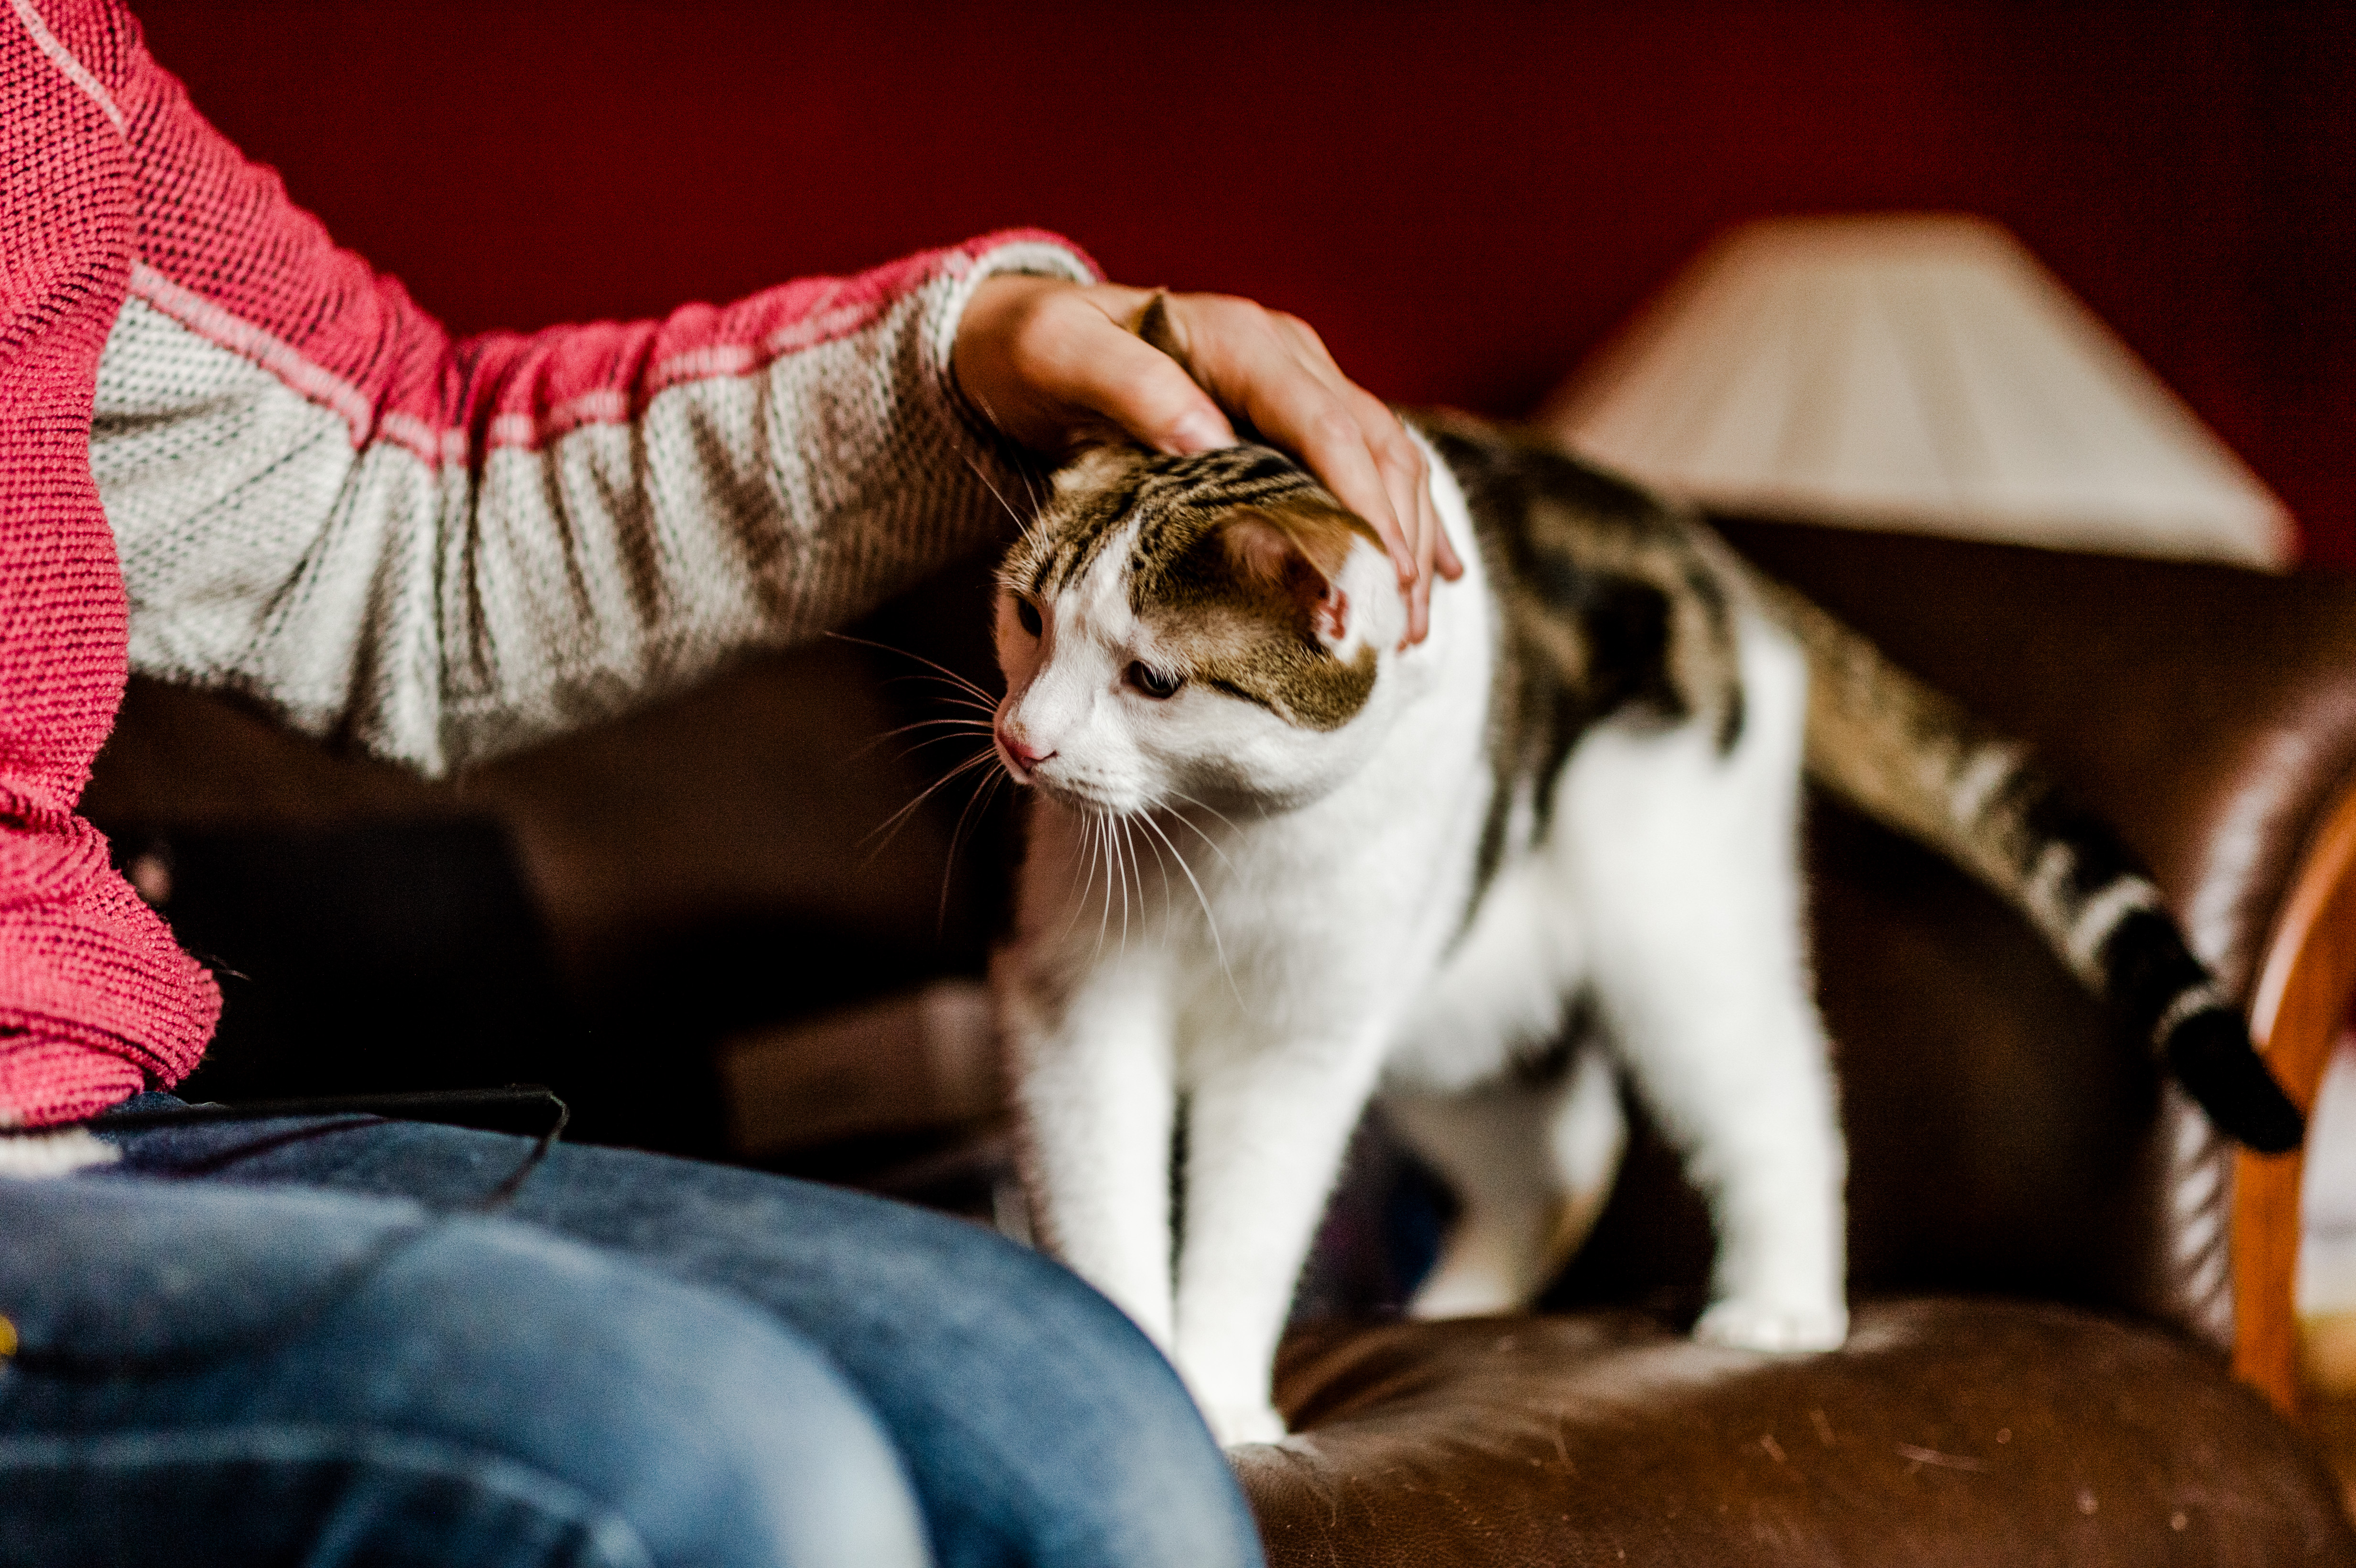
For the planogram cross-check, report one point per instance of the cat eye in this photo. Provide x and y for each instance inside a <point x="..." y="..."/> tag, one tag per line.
<point x="1152" y="682"/>
<point x="1027" y="613"/>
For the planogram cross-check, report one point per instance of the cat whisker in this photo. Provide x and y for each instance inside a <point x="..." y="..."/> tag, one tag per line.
<point x="982" y="473"/>
<point x="1162" y="863"/>
<point x="1136" y="862"/>
<point x="964" y="698"/>
<point x="1087" y="878"/>
<point x="1030" y="486"/>
<point x="934" y="724"/>
<point x="1197" y="829"/>
<point x="1214" y="811"/>
<point x="1135" y="872"/>
<point x="1122" y="850"/>
<point x="1117" y="878"/>
<point x="1113" y="877"/>
<point x="936" y="666"/>
<point x="1004" y="505"/>
<point x="1212" y="921"/>
<point x="1148" y="841"/>
<point x="938" y="674"/>
<point x="891" y="824"/>
<point x="1137" y="869"/>
<point x="969" y="726"/>
<point x="983" y="791"/>
<point x="966" y="693"/>
<point x="1104" y="838"/>
<point x="937" y="740"/>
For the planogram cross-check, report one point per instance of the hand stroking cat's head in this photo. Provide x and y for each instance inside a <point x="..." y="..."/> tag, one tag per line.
<point x="1211" y="628"/>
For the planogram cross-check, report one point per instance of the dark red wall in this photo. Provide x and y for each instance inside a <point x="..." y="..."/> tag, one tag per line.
<point x="1463" y="199"/>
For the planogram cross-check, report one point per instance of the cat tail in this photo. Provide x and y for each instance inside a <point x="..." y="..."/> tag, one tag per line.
<point x="1915" y="760"/>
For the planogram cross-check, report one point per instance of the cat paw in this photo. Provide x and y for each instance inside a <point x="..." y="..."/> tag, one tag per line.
<point x="1235" y="1424"/>
<point x="1759" y="1326"/>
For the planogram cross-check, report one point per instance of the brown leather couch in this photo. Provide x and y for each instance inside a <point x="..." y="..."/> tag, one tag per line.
<point x="2073" y="1336"/>
<point x="2073" y="1339"/>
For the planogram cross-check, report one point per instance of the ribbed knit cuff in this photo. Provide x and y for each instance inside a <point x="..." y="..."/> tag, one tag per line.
<point x="1030" y="252"/>
<point x="45" y="1079"/>
<point x="96" y="1001"/>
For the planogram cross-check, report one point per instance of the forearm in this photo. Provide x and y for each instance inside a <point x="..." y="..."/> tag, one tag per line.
<point x="554" y="527"/>
<point x="438" y="550"/>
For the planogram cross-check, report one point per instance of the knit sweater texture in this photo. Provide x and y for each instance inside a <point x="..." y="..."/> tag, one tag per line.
<point x="233" y="456"/>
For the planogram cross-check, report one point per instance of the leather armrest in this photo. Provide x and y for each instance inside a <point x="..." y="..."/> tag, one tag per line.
<point x="2210" y="712"/>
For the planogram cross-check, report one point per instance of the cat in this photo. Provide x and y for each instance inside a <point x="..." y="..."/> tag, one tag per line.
<point x="1278" y="865"/>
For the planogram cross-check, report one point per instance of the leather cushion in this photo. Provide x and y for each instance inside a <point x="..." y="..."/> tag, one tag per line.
<point x="1949" y="1431"/>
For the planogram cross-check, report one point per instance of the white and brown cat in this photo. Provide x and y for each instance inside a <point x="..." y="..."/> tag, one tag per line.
<point x="1278" y="865"/>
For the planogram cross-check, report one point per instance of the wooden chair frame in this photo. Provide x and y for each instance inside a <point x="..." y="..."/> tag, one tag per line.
<point x="2305" y="987"/>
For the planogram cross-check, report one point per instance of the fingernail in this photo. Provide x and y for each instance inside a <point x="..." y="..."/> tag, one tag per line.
<point x="1199" y="431"/>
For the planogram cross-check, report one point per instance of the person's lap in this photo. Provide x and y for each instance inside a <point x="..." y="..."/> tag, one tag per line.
<point x="264" y="1376"/>
<point x="619" y="1302"/>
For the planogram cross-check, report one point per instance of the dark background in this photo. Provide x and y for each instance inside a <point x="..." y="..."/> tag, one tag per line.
<point x="1463" y="199"/>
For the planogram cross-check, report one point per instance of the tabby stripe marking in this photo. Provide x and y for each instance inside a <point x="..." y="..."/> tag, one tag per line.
<point x="1983" y="778"/>
<point x="2190" y="1003"/>
<point x="2100" y="915"/>
<point x="2041" y="892"/>
<point x="1232" y="690"/>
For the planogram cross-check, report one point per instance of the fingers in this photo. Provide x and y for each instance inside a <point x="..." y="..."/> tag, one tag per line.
<point x="1144" y="393"/>
<point x="1053" y="364"/>
<point x="1047" y="364"/>
<point x="1407" y="479"/>
<point x="1276" y="371"/>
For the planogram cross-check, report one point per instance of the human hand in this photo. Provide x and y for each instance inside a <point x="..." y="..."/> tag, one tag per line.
<point x="1053" y="364"/>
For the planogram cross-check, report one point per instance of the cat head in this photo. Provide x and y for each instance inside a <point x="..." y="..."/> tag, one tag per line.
<point x="1213" y="627"/>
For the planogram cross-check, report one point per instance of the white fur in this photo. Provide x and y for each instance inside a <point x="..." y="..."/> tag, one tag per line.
<point x="1269" y="928"/>
<point x="53" y="1153"/>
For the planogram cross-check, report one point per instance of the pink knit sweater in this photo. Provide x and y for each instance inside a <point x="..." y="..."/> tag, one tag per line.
<point x="430" y="549"/>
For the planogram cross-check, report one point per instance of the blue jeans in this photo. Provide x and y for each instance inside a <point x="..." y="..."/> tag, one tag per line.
<point x="284" y="1342"/>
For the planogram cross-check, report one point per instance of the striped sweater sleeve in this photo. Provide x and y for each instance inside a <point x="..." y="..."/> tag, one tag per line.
<point x="96" y="999"/>
<point x="437" y="550"/>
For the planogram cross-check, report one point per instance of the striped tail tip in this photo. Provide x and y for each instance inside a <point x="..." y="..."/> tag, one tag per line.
<point x="2150" y="975"/>
<point x="2210" y="1054"/>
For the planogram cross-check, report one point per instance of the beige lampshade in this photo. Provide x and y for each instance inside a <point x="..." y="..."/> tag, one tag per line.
<point x="1918" y="371"/>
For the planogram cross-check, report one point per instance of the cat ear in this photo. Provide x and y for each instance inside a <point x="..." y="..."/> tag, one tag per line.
<point x="1298" y="553"/>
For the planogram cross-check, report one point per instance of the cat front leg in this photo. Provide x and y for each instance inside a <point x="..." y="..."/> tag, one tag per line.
<point x="1266" y="1132"/>
<point x="1091" y="1064"/>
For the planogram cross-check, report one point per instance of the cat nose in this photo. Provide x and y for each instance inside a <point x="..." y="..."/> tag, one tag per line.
<point x="1020" y="756"/>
